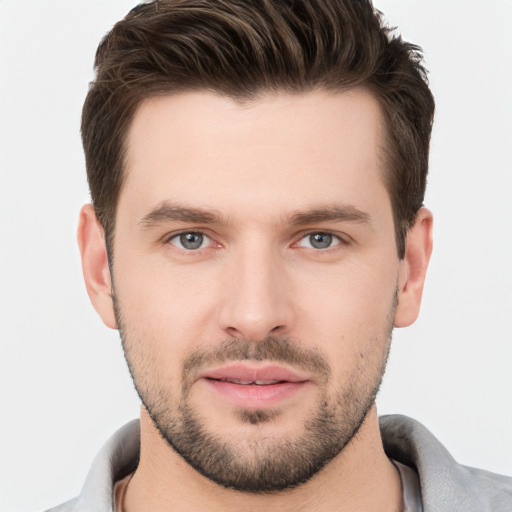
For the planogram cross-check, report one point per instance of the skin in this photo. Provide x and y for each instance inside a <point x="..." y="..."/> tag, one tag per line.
<point x="256" y="165"/>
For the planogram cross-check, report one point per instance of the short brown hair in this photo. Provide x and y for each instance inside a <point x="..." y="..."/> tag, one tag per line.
<point x="242" y="48"/>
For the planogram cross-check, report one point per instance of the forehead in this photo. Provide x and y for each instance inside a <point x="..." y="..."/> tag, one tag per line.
<point x="201" y="147"/>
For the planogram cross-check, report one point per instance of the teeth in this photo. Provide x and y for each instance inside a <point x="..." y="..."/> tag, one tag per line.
<point x="257" y="382"/>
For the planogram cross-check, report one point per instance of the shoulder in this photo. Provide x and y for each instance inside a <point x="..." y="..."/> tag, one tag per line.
<point x="445" y="484"/>
<point x="118" y="457"/>
<point x="69" y="506"/>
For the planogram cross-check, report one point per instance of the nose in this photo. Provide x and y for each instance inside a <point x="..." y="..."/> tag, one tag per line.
<point x="257" y="296"/>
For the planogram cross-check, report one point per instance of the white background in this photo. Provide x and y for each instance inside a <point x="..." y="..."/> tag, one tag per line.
<point x="63" y="383"/>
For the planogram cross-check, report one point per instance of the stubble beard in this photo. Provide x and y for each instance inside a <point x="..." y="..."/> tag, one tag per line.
<point x="258" y="465"/>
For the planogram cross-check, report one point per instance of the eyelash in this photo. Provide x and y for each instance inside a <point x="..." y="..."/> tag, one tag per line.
<point x="168" y="240"/>
<point x="343" y="240"/>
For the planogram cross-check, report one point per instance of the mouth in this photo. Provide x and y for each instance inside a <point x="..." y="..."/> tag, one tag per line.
<point x="251" y="382"/>
<point x="254" y="387"/>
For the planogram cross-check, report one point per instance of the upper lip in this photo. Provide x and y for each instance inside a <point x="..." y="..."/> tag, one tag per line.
<point x="252" y="373"/>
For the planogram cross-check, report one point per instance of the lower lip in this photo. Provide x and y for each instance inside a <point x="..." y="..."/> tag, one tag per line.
<point x="252" y="396"/>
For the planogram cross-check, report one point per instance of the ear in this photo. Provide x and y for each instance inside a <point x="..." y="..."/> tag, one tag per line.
<point x="413" y="269"/>
<point x="91" y="241"/>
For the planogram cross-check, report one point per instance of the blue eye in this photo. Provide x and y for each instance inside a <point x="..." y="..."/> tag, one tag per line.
<point x="319" y="241"/>
<point x="190" y="241"/>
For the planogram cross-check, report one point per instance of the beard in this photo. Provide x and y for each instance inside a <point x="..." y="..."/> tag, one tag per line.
<point x="255" y="464"/>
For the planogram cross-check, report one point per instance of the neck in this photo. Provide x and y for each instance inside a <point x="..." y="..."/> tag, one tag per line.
<point x="360" y="478"/>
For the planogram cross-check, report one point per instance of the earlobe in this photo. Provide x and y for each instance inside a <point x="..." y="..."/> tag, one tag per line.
<point x="413" y="269"/>
<point x="93" y="250"/>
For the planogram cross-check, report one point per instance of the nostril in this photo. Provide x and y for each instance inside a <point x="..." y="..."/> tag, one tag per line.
<point x="235" y="333"/>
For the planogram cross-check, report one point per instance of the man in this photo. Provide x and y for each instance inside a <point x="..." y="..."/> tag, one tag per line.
<point x="257" y="171"/>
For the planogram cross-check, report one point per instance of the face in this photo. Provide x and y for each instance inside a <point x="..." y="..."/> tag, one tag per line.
<point x="255" y="277"/>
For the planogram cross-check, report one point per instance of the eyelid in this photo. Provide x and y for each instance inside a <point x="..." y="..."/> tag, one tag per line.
<point x="173" y="234"/>
<point x="342" y="238"/>
<point x="167" y="240"/>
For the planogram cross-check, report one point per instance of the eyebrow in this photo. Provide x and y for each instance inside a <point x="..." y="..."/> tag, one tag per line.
<point x="168" y="212"/>
<point x="331" y="213"/>
<point x="172" y="212"/>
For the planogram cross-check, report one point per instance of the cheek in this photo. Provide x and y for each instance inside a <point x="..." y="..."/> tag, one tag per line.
<point x="356" y="295"/>
<point x="164" y="305"/>
<point x="348" y="313"/>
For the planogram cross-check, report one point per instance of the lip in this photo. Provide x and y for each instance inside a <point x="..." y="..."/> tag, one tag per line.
<point x="254" y="387"/>
<point x="254" y="373"/>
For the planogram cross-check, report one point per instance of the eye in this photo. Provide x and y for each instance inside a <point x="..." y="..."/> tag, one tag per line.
<point x="319" y="241"/>
<point x="190" y="241"/>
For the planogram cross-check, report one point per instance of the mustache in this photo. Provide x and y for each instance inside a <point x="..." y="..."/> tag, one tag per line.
<point x="272" y="349"/>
